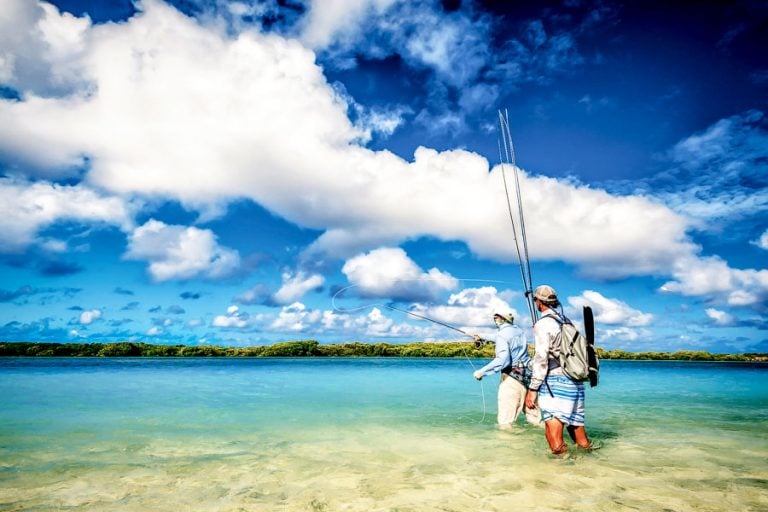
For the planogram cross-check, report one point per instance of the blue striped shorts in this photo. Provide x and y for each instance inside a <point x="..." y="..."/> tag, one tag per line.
<point x="567" y="404"/>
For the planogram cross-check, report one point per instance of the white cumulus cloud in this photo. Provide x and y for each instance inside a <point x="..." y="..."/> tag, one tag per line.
<point x="719" y="317"/>
<point x="331" y="20"/>
<point x="622" y="334"/>
<point x="233" y="319"/>
<point x="179" y="252"/>
<point x="762" y="242"/>
<point x="296" y="317"/>
<point x="90" y="316"/>
<point x="389" y="273"/>
<point x="610" y="311"/>
<point x="711" y="276"/>
<point x="296" y="285"/>
<point x="472" y="309"/>
<point x="40" y="47"/>
<point x="26" y="208"/>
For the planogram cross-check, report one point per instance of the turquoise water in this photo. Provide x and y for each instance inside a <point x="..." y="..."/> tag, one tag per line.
<point x="369" y="434"/>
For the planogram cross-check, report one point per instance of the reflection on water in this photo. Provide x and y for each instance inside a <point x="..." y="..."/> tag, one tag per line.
<point x="365" y="435"/>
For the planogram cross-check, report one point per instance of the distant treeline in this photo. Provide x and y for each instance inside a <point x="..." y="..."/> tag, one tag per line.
<point x="311" y="348"/>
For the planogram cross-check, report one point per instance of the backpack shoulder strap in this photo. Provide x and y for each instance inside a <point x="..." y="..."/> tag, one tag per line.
<point x="556" y="317"/>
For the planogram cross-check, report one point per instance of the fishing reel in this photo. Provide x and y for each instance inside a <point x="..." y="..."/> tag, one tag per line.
<point x="480" y="343"/>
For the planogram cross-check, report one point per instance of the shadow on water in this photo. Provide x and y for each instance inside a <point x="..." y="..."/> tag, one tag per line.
<point x="757" y="482"/>
<point x="599" y="433"/>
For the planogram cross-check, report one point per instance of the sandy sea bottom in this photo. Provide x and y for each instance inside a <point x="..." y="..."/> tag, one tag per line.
<point x="190" y="455"/>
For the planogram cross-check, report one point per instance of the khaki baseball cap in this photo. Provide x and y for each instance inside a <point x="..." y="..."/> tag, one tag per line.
<point x="545" y="293"/>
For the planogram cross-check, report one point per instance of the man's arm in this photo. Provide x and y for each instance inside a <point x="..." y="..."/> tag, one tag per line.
<point x="498" y="362"/>
<point x="541" y="357"/>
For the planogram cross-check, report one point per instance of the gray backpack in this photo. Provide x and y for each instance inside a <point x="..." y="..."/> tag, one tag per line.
<point x="578" y="357"/>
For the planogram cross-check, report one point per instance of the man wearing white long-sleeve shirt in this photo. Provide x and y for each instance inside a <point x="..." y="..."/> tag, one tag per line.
<point x="513" y="361"/>
<point x="562" y="402"/>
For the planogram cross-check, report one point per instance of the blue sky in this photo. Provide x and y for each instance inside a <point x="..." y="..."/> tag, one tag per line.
<point x="241" y="173"/>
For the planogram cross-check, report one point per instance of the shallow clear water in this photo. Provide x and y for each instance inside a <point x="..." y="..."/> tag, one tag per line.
<point x="369" y="434"/>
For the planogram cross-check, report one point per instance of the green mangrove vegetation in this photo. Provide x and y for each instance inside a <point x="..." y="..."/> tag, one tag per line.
<point x="311" y="348"/>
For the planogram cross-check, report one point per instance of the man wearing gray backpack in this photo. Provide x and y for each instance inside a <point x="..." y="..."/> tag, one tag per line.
<point x="560" y="398"/>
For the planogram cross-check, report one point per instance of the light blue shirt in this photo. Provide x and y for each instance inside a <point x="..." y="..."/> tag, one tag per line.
<point x="511" y="350"/>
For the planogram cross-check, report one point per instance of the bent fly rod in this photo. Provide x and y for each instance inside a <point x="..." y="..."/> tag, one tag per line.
<point x="478" y="343"/>
<point x="523" y="260"/>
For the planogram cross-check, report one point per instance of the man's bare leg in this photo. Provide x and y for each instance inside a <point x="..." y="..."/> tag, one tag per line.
<point x="579" y="436"/>
<point x="553" y="431"/>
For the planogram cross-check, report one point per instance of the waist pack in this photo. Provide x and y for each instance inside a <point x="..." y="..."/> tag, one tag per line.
<point x="519" y="373"/>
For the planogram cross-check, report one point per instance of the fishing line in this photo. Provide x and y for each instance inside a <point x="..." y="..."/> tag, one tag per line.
<point x="438" y="322"/>
<point x="463" y="348"/>
<point x="338" y="309"/>
<point x="423" y="317"/>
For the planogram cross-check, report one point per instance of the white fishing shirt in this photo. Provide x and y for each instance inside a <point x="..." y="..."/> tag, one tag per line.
<point x="546" y="336"/>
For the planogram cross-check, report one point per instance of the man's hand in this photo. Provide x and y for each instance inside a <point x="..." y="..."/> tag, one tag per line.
<point x="478" y="375"/>
<point x="530" y="399"/>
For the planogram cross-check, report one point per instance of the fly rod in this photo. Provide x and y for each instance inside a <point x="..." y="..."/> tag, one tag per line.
<point x="523" y="258"/>
<point x="478" y="343"/>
